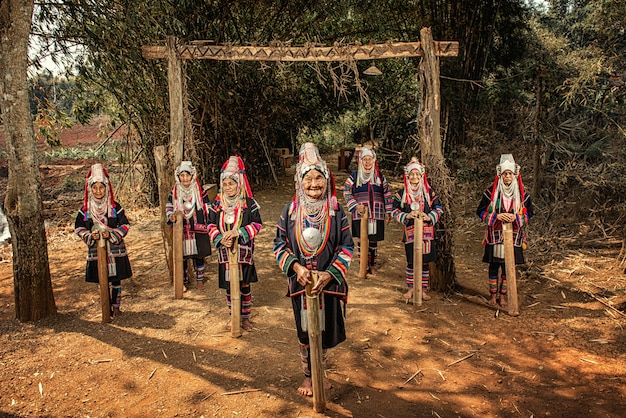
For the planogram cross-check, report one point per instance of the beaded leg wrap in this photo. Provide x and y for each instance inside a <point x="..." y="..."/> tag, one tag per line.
<point x="185" y="274"/>
<point x="200" y="272"/>
<point x="425" y="279"/>
<point x="305" y="359"/>
<point x="246" y="302"/>
<point x="503" y="284"/>
<point x="116" y="295"/>
<point x="493" y="277"/>
<point x="228" y="301"/>
<point x="372" y="252"/>
<point x="409" y="277"/>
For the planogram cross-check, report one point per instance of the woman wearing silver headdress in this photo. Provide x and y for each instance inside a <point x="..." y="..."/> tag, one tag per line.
<point x="102" y="217"/>
<point x="367" y="190"/>
<point x="417" y="199"/>
<point x="188" y="197"/>
<point x="313" y="234"/>
<point x="505" y="201"/>
<point x="235" y="217"/>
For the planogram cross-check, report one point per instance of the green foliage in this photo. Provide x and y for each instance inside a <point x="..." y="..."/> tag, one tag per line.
<point x="70" y="184"/>
<point x="80" y="153"/>
<point x="526" y="79"/>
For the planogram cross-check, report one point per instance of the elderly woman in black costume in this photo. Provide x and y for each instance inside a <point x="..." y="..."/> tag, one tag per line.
<point x="313" y="234"/>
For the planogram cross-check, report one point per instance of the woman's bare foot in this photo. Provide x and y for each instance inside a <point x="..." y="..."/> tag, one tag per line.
<point x="503" y="301"/>
<point x="200" y="285"/>
<point x="306" y="388"/>
<point x="409" y="296"/>
<point x="372" y="270"/>
<point x="246" y="324"/>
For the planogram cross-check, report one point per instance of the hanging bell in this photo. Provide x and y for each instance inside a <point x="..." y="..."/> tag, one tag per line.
<point x="373" y="70"/>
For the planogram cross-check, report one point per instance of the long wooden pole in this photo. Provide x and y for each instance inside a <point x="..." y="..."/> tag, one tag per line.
<point x="509" y="263"/>
<point x="235" y="291"/>
<point x="315" y="345"/>
<point x="364" y="244"/>
<point x="418" y="257"/>
<point x="103" y="279"/>
<point x="164" y="185"/>
<point x="177" y="249"/>
<point x="175" y="89"/>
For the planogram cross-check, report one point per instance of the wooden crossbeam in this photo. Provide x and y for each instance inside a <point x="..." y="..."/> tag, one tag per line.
<point x="200" y="50"/>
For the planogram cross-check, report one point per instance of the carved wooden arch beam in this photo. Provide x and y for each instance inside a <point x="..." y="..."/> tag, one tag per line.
<point x="202" y="50"/>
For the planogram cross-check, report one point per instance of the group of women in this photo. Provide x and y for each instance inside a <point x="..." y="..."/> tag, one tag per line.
<point x="313" y="244"/>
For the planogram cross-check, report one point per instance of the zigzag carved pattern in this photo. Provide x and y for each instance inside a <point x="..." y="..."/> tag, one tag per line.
<point x="313" y="53"/>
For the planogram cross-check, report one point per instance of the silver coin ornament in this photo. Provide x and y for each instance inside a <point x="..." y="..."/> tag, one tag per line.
<point x="230" y="218"/>
<point x="312" y="238"/>
<point x="188" y="205"/>
<point x="415" y="206"/>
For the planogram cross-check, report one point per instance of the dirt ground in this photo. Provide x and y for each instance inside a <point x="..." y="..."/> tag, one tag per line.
<point x="454" y="357"/>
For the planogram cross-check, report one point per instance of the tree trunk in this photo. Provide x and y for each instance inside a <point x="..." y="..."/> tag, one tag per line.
<point x="537" y="166"/>
<point x="34" y="299"/>
<point x="163" y="174"/>
<point x="442" y="272"/>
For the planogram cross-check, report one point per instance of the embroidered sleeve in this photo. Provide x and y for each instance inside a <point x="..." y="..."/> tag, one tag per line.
<point x="436" y="209"/>
<point x="248" y="232"/>
<point x="351" y="201"/>
<point x="285" y="256"/>
<point x="388" y="196"/>
<point x="397" y="213"/>
<point x="118" y="233"/>
<point x="212" y="229"/>
<point x="484" y="208"/>
<point x="341" y="262"/>
<point x="526" y="212"/>
<point x="80" y="229"/>
<point x="169" y="208"/>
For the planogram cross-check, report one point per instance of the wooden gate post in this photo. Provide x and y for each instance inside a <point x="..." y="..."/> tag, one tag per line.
<point x="175" y="87"/>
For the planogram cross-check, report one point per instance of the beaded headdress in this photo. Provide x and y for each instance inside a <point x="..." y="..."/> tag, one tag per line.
<point x="507" y="163"/>
<point x="310" y="159"/>
<point x="98" y="174"/>
<point x="235" y="169"/>
<point x="419" y="194"/>
<point x="186" y="197"/>
<point x="514" y="191"/>
<point x="363" y="176"/>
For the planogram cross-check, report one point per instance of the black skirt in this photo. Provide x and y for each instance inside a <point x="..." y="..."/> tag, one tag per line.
<point x="488" y="256"/>
<point x="378" y="236"/>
